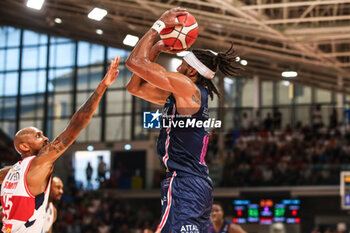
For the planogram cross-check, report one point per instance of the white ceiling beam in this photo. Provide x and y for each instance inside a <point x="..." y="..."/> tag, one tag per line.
<point x="309" y="19"/>
<point x="292" y="4"/>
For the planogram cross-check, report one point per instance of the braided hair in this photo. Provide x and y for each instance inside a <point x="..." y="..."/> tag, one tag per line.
<point x="225" y="62"/>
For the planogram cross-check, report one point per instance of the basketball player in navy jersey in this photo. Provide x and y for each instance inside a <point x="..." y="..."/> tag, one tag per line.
<point x="219" y="225"/>
<point x="25" y="188"/>
<point x="187" y="191"/>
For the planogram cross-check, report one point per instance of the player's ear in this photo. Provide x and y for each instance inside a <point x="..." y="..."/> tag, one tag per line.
<point x="24" y="147"/>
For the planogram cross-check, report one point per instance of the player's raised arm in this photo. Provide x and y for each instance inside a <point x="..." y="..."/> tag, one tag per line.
<point x="141" y="88"/>
<point x="42" y="165"/>
<point x="141" y="64"/>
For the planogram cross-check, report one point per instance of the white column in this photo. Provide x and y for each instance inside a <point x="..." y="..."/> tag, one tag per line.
<point x="256" y="92"/>
<point x="340" y="99"/>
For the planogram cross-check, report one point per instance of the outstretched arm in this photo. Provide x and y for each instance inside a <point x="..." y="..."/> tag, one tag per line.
<point x="3" y="173"/>
<point x="41" y="167"/>
<point x="140" y="63"/>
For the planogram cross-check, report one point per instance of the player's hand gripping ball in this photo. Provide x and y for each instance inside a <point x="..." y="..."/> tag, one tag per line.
<point x="181" y="37"/>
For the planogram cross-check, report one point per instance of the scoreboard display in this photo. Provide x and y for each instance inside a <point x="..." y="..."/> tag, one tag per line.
<point x="266" y="211"/>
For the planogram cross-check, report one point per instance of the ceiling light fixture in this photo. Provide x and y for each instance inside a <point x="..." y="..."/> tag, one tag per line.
<point x="244" y="62"/>
<point x="58" y="20"/>
<point x="99" y="31"/>
<point x="289" y="74"/>
<point x="130" y="40"/>
<point x="35" y="4"/>
<point x="97" y="14"/>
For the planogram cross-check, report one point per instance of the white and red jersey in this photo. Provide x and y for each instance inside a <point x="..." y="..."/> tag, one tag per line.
<point x="49" y="217"/>
<point x="22" y="211"/>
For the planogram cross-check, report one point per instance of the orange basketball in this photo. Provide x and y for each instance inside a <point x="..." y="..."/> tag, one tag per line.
<point x="181" y="37"/>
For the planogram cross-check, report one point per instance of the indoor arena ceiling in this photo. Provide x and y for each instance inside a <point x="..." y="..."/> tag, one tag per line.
<point x="311" y="37"/>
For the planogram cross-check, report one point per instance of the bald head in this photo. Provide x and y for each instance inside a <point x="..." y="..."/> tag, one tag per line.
<point x="29" y="141"/>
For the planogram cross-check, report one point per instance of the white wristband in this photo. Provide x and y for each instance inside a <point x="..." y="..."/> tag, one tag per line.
<point x="158" y="26"/>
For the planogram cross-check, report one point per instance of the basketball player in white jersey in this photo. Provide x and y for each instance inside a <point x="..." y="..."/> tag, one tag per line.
<point x="25" y="189"/>
<point x="56" y="192"/>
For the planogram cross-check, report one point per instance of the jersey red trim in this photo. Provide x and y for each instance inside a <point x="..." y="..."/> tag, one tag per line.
<point x="25" y="178"/>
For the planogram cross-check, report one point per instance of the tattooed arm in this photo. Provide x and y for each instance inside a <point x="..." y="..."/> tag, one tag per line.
<point x="3" y="172"/>
<point x="41" y="167"/>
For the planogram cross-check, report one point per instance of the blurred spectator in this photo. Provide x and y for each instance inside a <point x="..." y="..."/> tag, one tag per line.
<point x="317" y="119"/>
<point x="294" y="156"/>
<point x="277" y="118"/>
<point x="268" y="122"/>
<point x="256" y="121"/>
<point x="101" y="169"/>
<point x="245" y="122"/>
<point x="88" y="172"/>
<point x="333" y="118"/>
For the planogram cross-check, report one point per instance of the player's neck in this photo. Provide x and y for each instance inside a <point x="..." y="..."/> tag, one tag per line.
<point x="218" y="225"/>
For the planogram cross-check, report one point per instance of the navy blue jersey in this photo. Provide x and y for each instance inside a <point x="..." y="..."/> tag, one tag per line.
<point x="183" y="140"/>
<point x="224" y="228"/>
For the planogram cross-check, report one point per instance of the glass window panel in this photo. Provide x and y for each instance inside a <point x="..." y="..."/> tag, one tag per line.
<point x="113" y="52"/>
<point x="28" y="123"/>
<point x="247" y="93"/>
<point x="83" y="53"/>
<point x="2" y="84"/>
<point x="2" y="107"/>
<point x="32" y="106"/>
<point x="12" y="56"/>
<point x="89" y="77"/>
<point x="283" y="94"/>
<point x="11" y="83"/>
<point x="61" y="106"/>
<point x="9" y="127"/>
<point x="29" y="58"/>
<point x="118" y="128"/>
<point x="61" y="80"/>
<point x="33" y="82"/>
<point x="303" y="114"/>
<point x="230" y="86"/>
<point x="90" y="54"/>
<point x="92" y="133"/>
<point x="302" y="94"/>
<point x="323" y="96"/>
<point x="3" y="35"/>
<point x="118" y="102"/>
<point x="97" y="54"/>
<point x="34" y="57"/>
<point x="30" y="38"/>
<point x="54" y="40"/>
<point x="267" y="93"/>
<point x="10" y="108"/>
<point x="62" y="55"/>
<point x="13" y="36"/>
<point x="2" y="59"/>
<point x="43" y="39"/>
<point x="139" y="131"/>
<point x="42" y="56"/>
<point x="58" y="126"/>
